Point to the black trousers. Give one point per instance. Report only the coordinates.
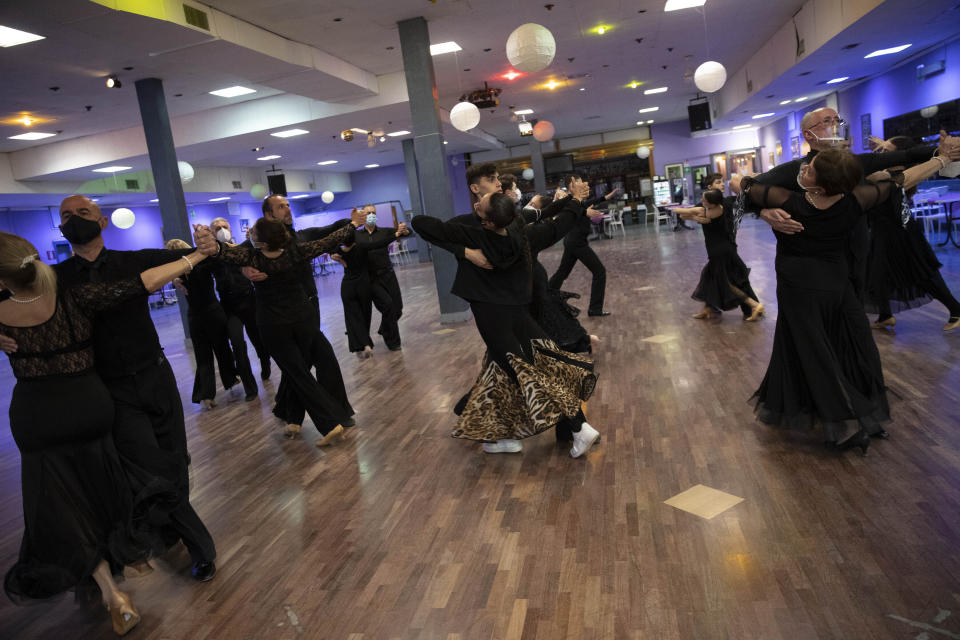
(240, 358)
(357, 297)
(247, 314)
(208, 331)
(149, 433)
(589, 258)
(296, 348)
(389, 302)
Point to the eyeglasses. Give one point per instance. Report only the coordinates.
(839, 122)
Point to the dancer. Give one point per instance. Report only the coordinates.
(288, 323)
(902, 270)
(356, 289)
(824, 366)
(527, 384)
(725, 280)
(208, 333)
(238, 302)
(80, 514)
(576, 247)
(383, 280)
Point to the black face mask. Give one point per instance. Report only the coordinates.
(79, 230)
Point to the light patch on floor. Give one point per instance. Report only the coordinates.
(442, 332)
(649, 287)
(701, 500)
(659, 339)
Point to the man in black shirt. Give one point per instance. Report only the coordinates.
(148, 428)
(383, 280)
(576, 246)
(237, 299)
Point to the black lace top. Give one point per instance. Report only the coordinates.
(282, 297)
(62, 345)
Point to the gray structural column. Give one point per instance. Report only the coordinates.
(431, 161)
(536, 160)
(416, 198)
(163, 163)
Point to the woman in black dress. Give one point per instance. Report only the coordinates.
(902, 270)
(287, 321)
(210, 336)
(824, 366)
(80, 517)
(725, 280)
(527, 384)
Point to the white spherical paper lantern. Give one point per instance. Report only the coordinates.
(527, 174)
(710, 76)
(464, 116)
(186, 171)
(929, 112)
(643, 153)
(327, 197)
(543, 131)
(122, 218)
(258, 192)
(531, 47)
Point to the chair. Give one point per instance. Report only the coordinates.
(403, 252)
(929, 213)
(659, 214)
(394, 252)
(615, 220)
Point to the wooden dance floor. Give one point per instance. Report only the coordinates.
(402, 532)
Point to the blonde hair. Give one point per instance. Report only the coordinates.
(21, 267)
(176, 243)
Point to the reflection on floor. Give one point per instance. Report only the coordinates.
(403, 532)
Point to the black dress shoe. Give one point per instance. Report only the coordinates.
(265, 371)
(203, 571)
(250, 397)
(598, 313)
(859, 440)
(349, 422)
(395, 348)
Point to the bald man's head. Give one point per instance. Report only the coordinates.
(72, 205)
(820, 128)
(81, 221)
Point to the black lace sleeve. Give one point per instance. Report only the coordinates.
(314, 248)
(238, 254)
(764, 196)
(870, 194)
(91, 297)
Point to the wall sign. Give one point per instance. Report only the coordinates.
(865, 131)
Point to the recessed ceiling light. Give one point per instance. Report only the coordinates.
(113, 82)
(884, 52)
(302, 195)
(552, 84)
(676, 5)
(399, 133)
(649, 121)
(326, 162)
(445, 142)
(221, 199)
(273, 157)
(233, 92)
(583, 89)
(112, 169)
(511, 75)
(763, 115)
(657, 90)
(743, 126)
(155, 200)
(801, 99)
(836, 80)
(289, 133)
(648, 109)
(444, 47)
(33, 135)
(12, 37)
(523, 112)
(785, 101)
(602, 29)
(371, 166)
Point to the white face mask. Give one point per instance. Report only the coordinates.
(371, 219)
(800, 175)
(223, 234)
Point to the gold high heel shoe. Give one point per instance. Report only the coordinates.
(291, 431)
(952, 323)
(757, 313)
(123, 615)
(889, 322)
(327, 440)
(704, 314)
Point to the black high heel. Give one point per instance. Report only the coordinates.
(883, 434)
(859, 439)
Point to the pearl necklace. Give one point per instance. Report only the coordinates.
(18, 301)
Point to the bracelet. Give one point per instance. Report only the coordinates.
(943, 163)
(190, 268)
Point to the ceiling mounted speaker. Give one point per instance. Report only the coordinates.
(531, 47)
(710, 76)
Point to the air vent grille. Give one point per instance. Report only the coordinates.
(196, 18)
(237, 184)
(133, 185)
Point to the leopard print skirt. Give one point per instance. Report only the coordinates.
(549, 389)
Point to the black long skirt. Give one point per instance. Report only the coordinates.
(77, 503)
(724, 281)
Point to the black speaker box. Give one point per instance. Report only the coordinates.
(699, 115)
(277, 184)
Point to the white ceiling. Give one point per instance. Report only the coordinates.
(86, 41)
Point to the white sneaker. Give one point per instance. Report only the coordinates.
(503, 446)
(583, 440)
